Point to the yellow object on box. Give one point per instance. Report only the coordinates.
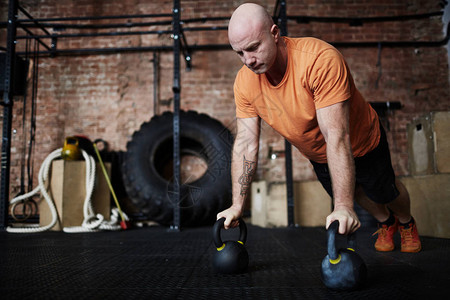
(71, 149)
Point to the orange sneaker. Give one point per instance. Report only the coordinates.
(410, 239)
(385, 241)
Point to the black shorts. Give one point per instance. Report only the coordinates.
(374, 173)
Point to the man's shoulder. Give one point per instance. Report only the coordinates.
(309, 45)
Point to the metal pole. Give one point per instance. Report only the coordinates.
(7, 113)
(175, 227)
(155, 82)
(282, 21)
(90, 18)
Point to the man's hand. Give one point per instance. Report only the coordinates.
(348, 220)
(231, 216)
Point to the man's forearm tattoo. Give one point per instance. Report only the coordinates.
(246, 178)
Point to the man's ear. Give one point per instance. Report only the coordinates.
(275, 31)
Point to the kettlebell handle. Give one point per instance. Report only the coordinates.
(218, 227)
(332, 231)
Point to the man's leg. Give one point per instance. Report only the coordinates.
(387, 198)
(387, 222)
(379, 211)
(401, 205)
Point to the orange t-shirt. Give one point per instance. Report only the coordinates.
(316, 76)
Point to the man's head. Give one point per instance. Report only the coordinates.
(254, 37)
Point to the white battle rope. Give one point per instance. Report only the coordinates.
(43, 176)
(91, 222)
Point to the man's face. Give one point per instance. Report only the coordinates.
(256, 48)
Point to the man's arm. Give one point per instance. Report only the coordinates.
(243, 167)
(334, 125)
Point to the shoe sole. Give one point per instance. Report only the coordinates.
(385, 249)
(412, 250)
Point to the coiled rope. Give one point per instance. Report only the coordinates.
(92, 222)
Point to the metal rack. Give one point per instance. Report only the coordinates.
(7, 113)
(180, 46)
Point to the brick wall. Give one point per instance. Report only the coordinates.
(110, 95)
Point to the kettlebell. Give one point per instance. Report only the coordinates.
(231, 257)
(342, 269)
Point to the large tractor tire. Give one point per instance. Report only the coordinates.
(205, 155)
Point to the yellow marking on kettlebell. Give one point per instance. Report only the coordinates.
(241, 242)
(335, 261)
(221, 247)
(351, 249)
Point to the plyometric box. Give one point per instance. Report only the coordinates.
(68, 191)
(429, 144)
(430, 203)
(312, 204)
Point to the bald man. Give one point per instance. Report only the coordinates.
(302, 87)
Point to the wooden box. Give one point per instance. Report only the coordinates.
(67, 187)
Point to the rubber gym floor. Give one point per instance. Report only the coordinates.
(152, 263)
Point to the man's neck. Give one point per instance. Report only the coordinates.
(276, 73)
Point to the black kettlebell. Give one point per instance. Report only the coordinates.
(231, 257)
(342, 269)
